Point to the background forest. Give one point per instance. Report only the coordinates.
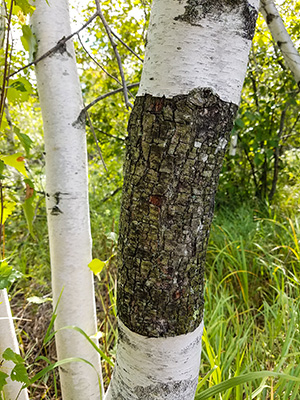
(252, 297)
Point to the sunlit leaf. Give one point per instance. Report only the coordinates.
(25, 6)
(15, 161)
(29, 41)
(96, 266)
(19, 90)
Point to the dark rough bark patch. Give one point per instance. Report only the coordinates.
(270, 17)
(175, 151)
(181, 390)
(196, 10)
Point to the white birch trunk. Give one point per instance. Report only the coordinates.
(281, 37)
(67, 200)
(233, 145)
(8, 339)
(189, 48)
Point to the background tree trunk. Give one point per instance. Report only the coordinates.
(67, 199)
(281, 37)
(194, 69)
(9, 340)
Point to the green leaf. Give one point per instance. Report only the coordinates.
(19, 374)
(25, 6)
(2, 166)
(24, 139)
(97, 266)
(239, 122)
(29, 41)
(29, 214)
(10, 355)
(28, 205)
(19, 90)
(15, 161)
(7, 275)
(3, 377)
(8, 208)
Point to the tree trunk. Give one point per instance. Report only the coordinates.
(67, 200)
(8, 339)
(281, 37)
(194, 69)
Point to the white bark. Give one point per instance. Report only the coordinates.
(281, 37)
(181, 57)
(156, 368)
(67, 199)
(233, 145)
(8, 339)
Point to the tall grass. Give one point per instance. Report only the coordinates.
(252, 304)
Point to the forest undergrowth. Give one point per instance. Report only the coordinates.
(252, 297)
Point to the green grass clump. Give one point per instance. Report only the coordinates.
(252, 305)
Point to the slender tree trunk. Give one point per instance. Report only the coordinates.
(281, 37)
(194, 69)
(67, 200)
(8, 339)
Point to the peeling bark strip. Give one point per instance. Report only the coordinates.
(174, 155)
(151, 369)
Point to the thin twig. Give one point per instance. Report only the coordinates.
(99, 65)
(111, 195)
(109, 134)
(6, 66)
(103, 96)
(127, 47)
(114, 46)
(60, 43)
(96, 140)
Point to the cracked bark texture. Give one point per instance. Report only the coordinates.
(175, 151)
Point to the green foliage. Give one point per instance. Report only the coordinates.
(3, 382)
(7, 275)
(19, 372)
(267, 122)
(29, 42)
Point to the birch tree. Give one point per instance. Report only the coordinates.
(195, 64)
(281, 37)
(67, 200)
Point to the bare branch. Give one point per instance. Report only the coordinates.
(111, 194)
(6, 66)
(127, 47)
(60, 43)
(99, 65)
(96, 140)
(111, 39)
(103, 96)
(109, 134)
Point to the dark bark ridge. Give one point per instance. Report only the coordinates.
(196, 10)
(175, 150)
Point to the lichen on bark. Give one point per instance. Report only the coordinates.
(197, 10)
(175, 150)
